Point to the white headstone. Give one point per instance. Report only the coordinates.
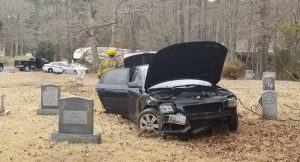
(268, 83)
(80, 74)
(249, 74)
(269, 74)
(269, 104)
(50, 93)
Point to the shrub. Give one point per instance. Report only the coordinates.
(233, 70)
(82, 61)
(46, 50)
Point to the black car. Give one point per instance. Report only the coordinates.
(1, 67)
(176, 94)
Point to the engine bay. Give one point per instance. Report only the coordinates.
(191, 92)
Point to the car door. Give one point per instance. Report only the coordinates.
(113, 91)
(135, 95)
(64, 67)
(56, 68)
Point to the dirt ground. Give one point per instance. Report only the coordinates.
(25, 136)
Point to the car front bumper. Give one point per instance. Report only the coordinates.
(195, 123)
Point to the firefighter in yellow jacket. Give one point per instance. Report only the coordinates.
(110, 63)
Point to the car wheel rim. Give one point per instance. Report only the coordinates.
(149, 122)
(27, 68)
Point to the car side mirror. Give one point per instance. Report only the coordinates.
(134, 85)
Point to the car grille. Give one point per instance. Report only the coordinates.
(209, 107)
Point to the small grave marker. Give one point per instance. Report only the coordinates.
(76, 121)
(269, 103)
(269, 74)
(269, 96)
(3, 111)
(249, 74)
(50, 93)
(268, 83)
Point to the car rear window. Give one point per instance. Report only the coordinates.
(117, 77)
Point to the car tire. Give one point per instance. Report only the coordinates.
(75, 71)
(148, 120)
(1, 68)
(26, 68)
(233, 121)
(63, 72)
(21, 69)
(50, 70)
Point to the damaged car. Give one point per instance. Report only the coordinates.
(175, 94)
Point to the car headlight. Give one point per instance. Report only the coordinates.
(166, 108)
(232, 102)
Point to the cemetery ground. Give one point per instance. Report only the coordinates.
(25, 136)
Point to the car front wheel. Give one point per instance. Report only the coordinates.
(233, 121)
(148, 120)
(27, 68)
(1, 68)
(50, 70)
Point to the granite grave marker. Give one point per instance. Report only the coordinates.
(76, 121)
(249, 74)
(50, 93)
(268, 83)
(2, 109)
(269, 103)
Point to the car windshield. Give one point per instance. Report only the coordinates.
(144, 70)
(181, 83)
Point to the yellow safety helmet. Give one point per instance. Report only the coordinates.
(111, 51)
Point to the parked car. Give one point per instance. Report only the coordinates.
(1, 67)
(77, 68)
(62, 67)
(176, 94)
(30, 64)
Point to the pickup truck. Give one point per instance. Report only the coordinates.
(32, 63)
(1, 66)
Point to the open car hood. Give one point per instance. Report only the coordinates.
(191, 60)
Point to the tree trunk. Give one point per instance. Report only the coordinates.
(180, 20)
(199, 19)
(17, 48)
(249, 50)
(264, 39)
(189, 33)
(93, 34)
(204, 18)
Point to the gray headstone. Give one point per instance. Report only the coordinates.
(249, 74)
(269, 104)
(268, 83)
(50, 93)
(269, 74)
(2, 108)
(76, 121)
